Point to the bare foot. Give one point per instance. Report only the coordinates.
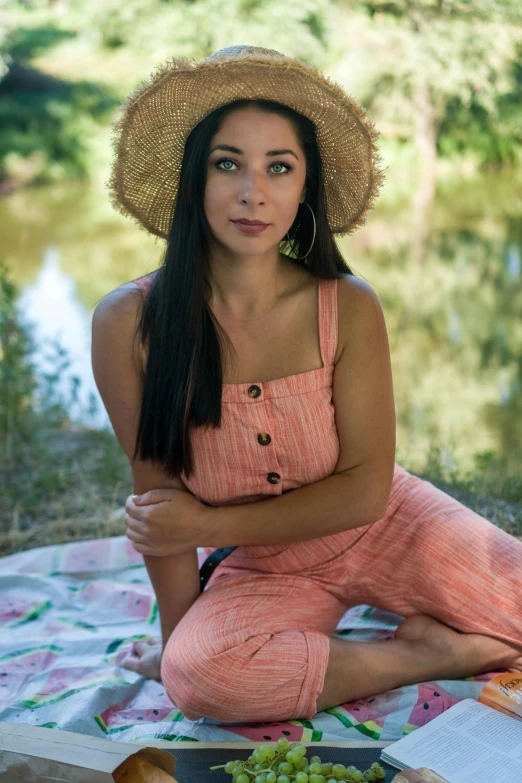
(466, 654)
(145, 658)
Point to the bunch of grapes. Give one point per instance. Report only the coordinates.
(287, 763)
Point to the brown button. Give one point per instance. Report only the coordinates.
(264, 438)
(274, 478)
(254, 391)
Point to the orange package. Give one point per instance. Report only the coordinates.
(504, 693)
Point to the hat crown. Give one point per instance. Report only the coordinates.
(240, 51)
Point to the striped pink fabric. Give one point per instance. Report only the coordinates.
(255, 645)
(232, 466)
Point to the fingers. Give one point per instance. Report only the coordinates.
(140, 544)
(421, 775)
(137, 526)
(130, 663)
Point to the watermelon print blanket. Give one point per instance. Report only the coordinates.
(70, 612)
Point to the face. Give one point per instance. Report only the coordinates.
(252, 182)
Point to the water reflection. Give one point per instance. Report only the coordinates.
(513, 261)
(453, 320)
(51, 308)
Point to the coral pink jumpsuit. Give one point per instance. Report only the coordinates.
(254, 646)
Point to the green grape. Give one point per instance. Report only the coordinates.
(301, 777)
(370, 776)
(271, 777)
(326, 768)
(258, 767)
(229, 766)
(295, 745)
(315, 760)
(260, 779)
(292, 756)
(242, 778)
(339, 771)
(283, 743)
(301, 751)
(286, 768)
(283, 779)
(315, 779)
(316, 768)
(301, 764)
(238, 769)
(270, 754)
(357, 776)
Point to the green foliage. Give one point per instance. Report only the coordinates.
(444, 75)
(50, 471)
(17, 376)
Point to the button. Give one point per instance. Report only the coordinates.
(274, 478)
(254, 391)
(264, 438)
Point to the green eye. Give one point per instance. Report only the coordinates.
(276, 163)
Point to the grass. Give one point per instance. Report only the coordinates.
(61, 482)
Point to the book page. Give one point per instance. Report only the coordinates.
(469, 743)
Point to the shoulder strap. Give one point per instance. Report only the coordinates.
(328, 324)
(144, 283)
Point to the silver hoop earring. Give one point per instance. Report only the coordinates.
(313, 240)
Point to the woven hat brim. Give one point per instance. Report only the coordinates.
(158, 116)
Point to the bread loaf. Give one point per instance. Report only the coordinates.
(137, 770)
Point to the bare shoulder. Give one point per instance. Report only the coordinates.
(360, 313)
(118, 312)
(125, 297)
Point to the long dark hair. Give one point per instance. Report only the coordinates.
(184, 376)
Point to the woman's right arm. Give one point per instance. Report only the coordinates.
(118, 367)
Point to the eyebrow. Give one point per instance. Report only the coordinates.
(237, 151)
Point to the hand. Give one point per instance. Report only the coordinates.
(168, 521)
(421, 775)
(145, 658)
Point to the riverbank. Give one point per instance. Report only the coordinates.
(74, 483)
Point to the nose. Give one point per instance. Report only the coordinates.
(252, 188)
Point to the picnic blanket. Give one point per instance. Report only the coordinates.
(70, 612)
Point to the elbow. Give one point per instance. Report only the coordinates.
(377, 515)
(377, 508)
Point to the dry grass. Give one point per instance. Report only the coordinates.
(74, 484)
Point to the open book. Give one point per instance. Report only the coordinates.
(471, 742)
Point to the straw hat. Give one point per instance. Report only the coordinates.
(148, 139)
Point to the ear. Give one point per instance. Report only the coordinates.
(303, 195)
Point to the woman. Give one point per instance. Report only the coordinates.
(276, 403)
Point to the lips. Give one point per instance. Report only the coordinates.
(251, 227)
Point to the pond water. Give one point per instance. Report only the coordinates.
(453, 307)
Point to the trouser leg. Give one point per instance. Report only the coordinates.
(253, 648)
(433, 555)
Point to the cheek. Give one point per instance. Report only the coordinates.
(216, 201)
